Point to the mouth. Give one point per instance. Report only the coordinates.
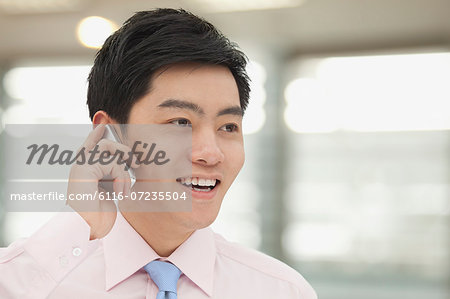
(199, 184)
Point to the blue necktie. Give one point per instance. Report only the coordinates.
(165, 275)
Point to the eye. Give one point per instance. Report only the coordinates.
(183, 122)
(229, 128)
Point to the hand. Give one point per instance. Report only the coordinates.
(84, 181)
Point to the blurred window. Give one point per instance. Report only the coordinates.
(41, 94)
(47, 94)
(368, 191)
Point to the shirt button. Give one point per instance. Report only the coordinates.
(77, 251)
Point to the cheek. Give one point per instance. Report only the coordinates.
(236, 157)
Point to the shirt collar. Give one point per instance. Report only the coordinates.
(196, 258)
(126, 252)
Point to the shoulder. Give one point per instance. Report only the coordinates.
(263, 265)
(12, 251)
(51, 239)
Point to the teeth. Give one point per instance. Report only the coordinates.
(198, 181)
(206, 182)
(201, 190)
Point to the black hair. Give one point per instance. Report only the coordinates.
(149, 40)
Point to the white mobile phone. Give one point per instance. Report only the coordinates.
(111, 134)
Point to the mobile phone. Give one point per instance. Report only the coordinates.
(111, 134)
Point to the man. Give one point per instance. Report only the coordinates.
(162, 67)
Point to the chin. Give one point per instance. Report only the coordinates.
(203, 220)
(203, 214)
(200, 217)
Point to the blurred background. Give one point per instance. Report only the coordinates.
(347, 175)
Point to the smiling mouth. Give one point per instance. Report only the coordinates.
(198, 184)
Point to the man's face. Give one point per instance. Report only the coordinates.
(205, 97)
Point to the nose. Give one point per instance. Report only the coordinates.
(206, 150)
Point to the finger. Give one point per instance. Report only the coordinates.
(120, 176)
(118, 185)
(94, 137)
(134, 161)
(127, 185)
(108, 165)
(119, 150)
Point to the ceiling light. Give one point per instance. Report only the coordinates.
(93, 31)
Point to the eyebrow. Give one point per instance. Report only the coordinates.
(181, 104)
(234, 110)
(174, 103)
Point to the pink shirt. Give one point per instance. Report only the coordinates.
(59, 261)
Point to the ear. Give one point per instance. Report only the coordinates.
(101, 117)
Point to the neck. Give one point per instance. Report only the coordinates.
(156, 229)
